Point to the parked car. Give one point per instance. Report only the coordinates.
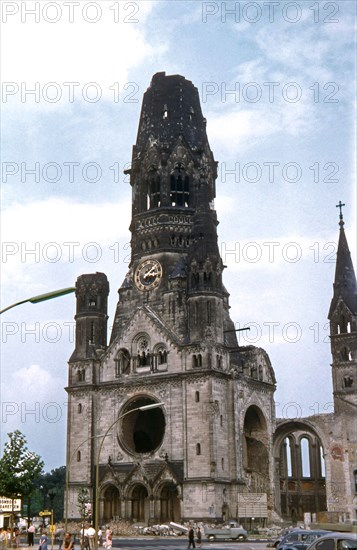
(335, 541)
(275, 542)
(226, 533)
(305, 539)
(298, 538)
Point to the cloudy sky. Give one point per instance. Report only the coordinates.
(276, 81)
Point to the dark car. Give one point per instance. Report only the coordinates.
(274, 543)
(335, 541)
(304, 542)
(300, 539)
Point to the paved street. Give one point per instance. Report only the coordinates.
(163, 543)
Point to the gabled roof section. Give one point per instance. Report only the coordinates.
(345, 286)
(150, 473)
(151, 317)
(170, 469)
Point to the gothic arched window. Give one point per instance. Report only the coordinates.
(286, 461)
(81, 375)
(153, 189)
(162, 357)
(144, 356)
(207, 278)
(122, 362)
(305, 457)
(195, 279)
(179, 186)
(93, 302)
(345, 354)
(347, 382)
(209, 313)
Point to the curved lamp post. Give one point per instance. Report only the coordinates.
(67, 474)
(42, 297)
(96, 518)
(51, 494)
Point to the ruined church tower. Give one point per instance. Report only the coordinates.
(173, 342)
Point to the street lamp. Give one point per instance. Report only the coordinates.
(142, 408)
(51, 494)
(42, 297)
(67, 474)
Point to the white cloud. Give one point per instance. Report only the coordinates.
(241, 129)
(276, 252)
(42, 236)
(31, 388)
(56, 219)
(103, 52)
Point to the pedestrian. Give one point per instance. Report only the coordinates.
(100, 537)
(199, 537)
(67, 542)
(59, 535)
(84, 538)
(191, 538)
(3, 538)
(16, 538)
(31, 534)
(91, 537)
(43, 541)
(108, 538)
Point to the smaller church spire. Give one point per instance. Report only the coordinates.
(344, 286)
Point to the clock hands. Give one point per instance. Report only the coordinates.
(151, 273)
(148, 274)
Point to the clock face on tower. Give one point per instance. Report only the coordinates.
(148, 274)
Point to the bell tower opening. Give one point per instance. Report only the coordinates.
(179, 187)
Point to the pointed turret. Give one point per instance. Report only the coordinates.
(345, 279)
(92, 292)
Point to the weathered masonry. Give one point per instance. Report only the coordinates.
(214, 449)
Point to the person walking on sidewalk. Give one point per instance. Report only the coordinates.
(43, 541)
(191, 538)
(199, 538)
(31, 534)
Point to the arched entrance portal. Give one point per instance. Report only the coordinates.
(140, 510)
(169, 503)
(255, 449)
(111, 509)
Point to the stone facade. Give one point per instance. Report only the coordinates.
(214, 439)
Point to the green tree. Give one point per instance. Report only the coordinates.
(19, 468)
(50, 483)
